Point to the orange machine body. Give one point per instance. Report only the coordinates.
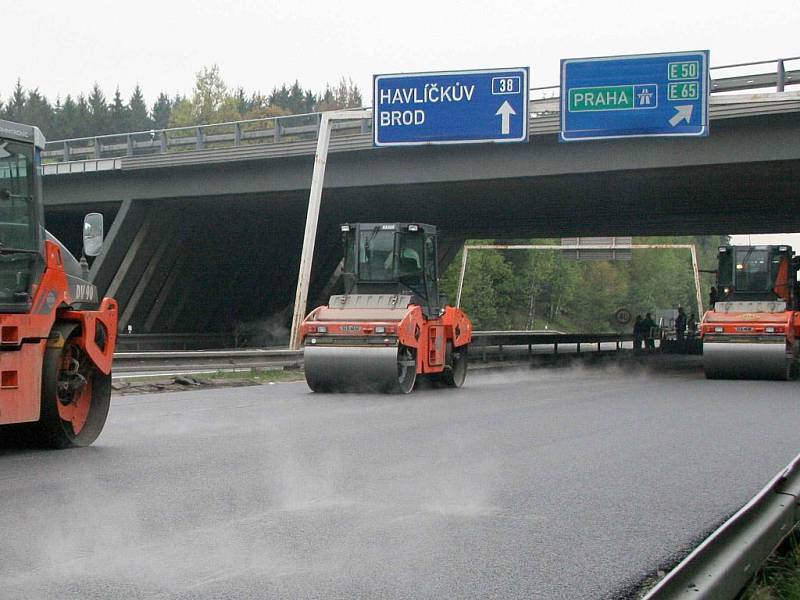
(404, 325)
(24, 338)
(748, 321)
(755, 325)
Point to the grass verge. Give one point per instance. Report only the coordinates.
(779, 577)
(260, 375)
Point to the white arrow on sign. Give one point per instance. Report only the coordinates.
(684, 112)
(505, 111)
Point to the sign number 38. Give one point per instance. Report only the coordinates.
(506, 85)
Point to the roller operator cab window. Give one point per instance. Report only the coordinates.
(753, 270)
(18, 222)
(387, 255)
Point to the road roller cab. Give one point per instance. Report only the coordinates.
(390, 324)
(57, 337)
(751, 331)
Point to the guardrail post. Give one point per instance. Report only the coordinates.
(199, 139)
(129, 140)
(781, 82)
(555, 347)
(162, 136)
(364, 125)
(578, 347)
(66, 151)
(97, 149)
(237, 134)
(277, 129)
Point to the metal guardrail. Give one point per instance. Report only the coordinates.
(143, 342)
(293, 128)
(132, 362)
(721, 566)
(501, 339)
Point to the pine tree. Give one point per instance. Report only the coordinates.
(83, 121)
(280, 97)
(16, 105)
(138, 119)
(118, 115)
(100, 118)
(37, 111)
(66, 120)
(296, 99)
(162, 111)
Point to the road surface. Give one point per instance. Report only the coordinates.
(554, 483)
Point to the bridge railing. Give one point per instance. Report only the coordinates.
(277, 129)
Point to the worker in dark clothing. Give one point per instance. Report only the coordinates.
(680, 329)
(713, 297)
(691, 324)
(648, 327)
(638, 335)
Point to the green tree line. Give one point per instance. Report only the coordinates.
(523, 289)
(211, 101)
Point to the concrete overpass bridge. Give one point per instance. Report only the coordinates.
(207, 225)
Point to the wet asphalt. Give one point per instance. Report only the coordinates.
(550, 483)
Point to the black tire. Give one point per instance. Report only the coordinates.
(52, 431)
(406, 371)
(455, 373)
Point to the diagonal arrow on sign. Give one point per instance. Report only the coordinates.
(505, 111)
(684, 112)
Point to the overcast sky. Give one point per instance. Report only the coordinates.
(65, 47)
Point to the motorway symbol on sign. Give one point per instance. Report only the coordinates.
(634, 96)
(454, 107)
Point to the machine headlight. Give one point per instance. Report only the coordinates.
(769, 329)
(322, 329)
(719, 329)
(380, 329)
(413, 227)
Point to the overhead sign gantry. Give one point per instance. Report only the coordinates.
(453, 107)
(634, 96)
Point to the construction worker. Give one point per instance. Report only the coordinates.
(692, 325)
(680, 329)
(648, 327)
(638, 335)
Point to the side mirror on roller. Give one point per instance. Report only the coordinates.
(92, 234)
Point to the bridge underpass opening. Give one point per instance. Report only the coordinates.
(540, 287)
(200, 264)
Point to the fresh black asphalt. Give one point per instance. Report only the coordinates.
(550, 483)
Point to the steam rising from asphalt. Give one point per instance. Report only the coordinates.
(271, 331)
(174, 502)
(131, 533)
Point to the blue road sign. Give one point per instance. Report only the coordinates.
(634, 96)
(454, 107)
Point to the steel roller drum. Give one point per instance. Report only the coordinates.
(352, 368)
(730, 360)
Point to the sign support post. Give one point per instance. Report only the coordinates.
(312, 218)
